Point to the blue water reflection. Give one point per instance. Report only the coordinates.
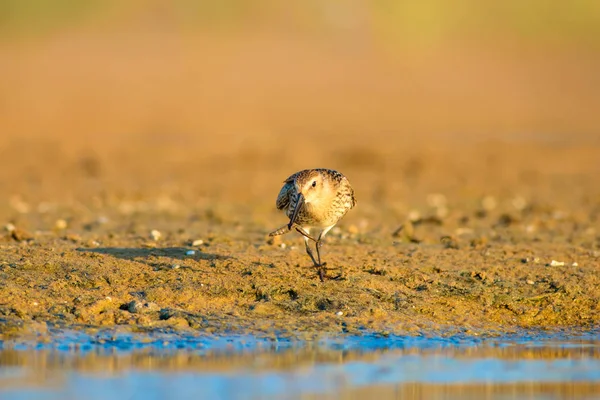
(73, 365)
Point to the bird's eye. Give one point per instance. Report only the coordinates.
(314, 184)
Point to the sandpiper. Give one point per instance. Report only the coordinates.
(314, 199)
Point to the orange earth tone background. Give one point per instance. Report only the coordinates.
(132, 134)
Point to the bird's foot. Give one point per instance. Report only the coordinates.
(322, 272)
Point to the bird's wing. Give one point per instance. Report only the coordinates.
(283, 199)
(353, 197)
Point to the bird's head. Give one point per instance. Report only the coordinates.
(311, 186)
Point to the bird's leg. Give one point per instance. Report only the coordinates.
(287, 228)
(322, 265)
(318, 264)
(318, 245)
(309, 252)
(304, 233)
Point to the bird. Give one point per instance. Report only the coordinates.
(314, 200)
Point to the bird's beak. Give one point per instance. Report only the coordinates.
(299, 204)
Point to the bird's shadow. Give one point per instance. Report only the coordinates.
(135, 253)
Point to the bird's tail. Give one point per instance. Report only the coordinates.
(280, 231)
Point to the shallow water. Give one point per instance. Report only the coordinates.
(73, 365)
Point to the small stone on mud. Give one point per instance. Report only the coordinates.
(137, 307)
(73, 237)
(519, 203)
(436, 200)
(274, 240)
(197, 242)
(555, 263)
(506, 220)
(530, 282)
(488, 203)
(479, 275)
(574, 265)
(441, 212)
(155, 234)
(414, 215)
(406, 232)
(19, 205)
(60, 224)
(283, 245)
(190, 252)
(20, 235)
(463, 231)
(449, 242)
(339, 313)
(530, 228)
(134, 306)
(176, 266)
(9, 227)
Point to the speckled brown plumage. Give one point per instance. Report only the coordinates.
(314, 200)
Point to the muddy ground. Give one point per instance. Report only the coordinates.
(470, 236)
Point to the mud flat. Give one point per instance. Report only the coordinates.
(480, 237)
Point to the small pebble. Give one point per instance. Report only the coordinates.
(60, 224)
(463, 231)
(197, 242)
(436, 200)
(190, 252)
(283, 245)
(441, 212)
(489, 203)
(9, 227)
(530, 282)
(19, 205)
(519, 203)
(339, 313)
(155, 234)
(555, 263)
(73, 237)
(134, 306)
(176, 266)
(414, 215)
(575, 264)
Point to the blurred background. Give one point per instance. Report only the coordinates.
(163, 93)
